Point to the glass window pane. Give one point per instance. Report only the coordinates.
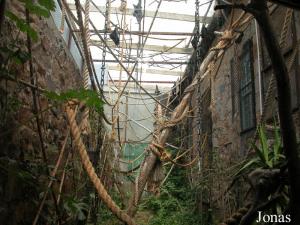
(246, 91)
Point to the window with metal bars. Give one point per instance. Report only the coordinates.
(247, 89)
(234, 87)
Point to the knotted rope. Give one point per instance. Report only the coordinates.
(103, 194)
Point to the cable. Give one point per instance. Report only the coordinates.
(129, 74)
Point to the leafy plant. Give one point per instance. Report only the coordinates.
(40, 8)
(176, 203)
(103, 215)
(22, 25)
(268, 154)
(76, 208)
(89, 97)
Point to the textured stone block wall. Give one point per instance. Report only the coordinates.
(54, 69)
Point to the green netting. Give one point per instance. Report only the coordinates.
(131, 152)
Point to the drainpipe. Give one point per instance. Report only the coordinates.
(259, 69)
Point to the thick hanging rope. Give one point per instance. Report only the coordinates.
(103, 194)
(63, 16)
(148, 165)
(85, 127)
(174, 122)
(86, 50)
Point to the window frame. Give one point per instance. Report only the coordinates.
(247, 49)
(234, 83)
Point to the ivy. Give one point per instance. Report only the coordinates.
(22, 25)
(37, 10)
(14, 52)
(89, 97)
(41, 8)
(48, 4)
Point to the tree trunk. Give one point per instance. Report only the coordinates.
(150, 160)
(149, 163)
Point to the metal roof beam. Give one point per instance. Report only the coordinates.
(145, 33)
(155, 48)
(148, 70)
(161, 15)
(147, 62)
(145, 81)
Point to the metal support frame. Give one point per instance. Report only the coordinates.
(160, 15)
(155, 48)
(150, 70)
(148, 62)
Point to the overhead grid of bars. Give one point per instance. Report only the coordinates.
(162, 51)
(122, 54)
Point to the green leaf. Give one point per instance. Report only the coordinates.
(22, 25)
(48, 4)
(259, 153)
(36, 9)
(6, 50)
(76, 208)
(89, 97)
(21, 57)
(277, 144)
(52, 95)
(81, 216)
(248, 165)
(264, 146)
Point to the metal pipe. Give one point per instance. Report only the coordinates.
(146, 81)
(149, 62)
(145, 33)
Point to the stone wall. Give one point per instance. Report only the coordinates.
(54, 69)
(229, 144)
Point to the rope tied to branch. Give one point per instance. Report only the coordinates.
(102, 192)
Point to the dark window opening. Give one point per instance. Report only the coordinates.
(247, 92)
(234, 87)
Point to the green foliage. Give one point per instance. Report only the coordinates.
(176, 203)
(40, 8)
(21, 175)
(89, 97)
(15, 53)
(104, 216)
(76, 208)
(22, 25)
(268, 155)
(48, 4)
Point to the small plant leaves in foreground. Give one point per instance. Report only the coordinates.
(22, 25)
(268, 155)
(89, 97)
(41, 8)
